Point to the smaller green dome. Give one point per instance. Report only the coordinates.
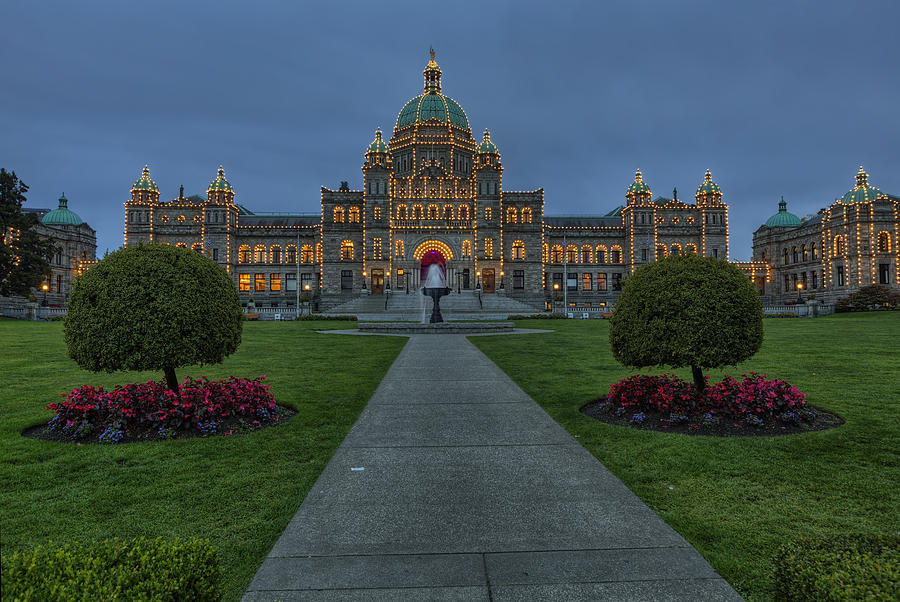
(378, 145)
(61, 216)
(783, 219)
(486, 146)
(708, 186)
(862, 193)
(220, 183)
(144, 182)
(638, 186)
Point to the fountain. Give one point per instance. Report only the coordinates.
(434, 275)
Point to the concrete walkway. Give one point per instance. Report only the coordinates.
(455, 485)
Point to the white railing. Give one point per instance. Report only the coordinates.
(799, 310)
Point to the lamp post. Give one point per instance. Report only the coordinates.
(306, 289)
(45, 287)
(555, 291)
(799, 296)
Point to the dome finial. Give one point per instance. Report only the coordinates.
(431, 52)
(782, 206)
(707, 177)
(862, 178)
(637, 176)
(432, 74)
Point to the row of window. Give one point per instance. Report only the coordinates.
(807, 253)
(605, 282)
(432, 211)
(260, 282)
(586, 254)
(274, 255)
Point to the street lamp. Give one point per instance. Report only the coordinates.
(45, 287)
(799, 288)
(306, 292)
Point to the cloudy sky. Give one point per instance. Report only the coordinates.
(775, 98)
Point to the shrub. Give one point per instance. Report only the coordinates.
(152, 406)
(686, 310)
(853, 567)
(874, 296)
(138, 569)
(153, 307)
(663, 394)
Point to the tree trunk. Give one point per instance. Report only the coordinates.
(699, 381)
(172, 381)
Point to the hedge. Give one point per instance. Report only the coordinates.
(137, 569)
(854, 567)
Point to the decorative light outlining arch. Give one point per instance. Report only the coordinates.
(432, 245)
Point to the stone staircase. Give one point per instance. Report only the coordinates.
(416, 307)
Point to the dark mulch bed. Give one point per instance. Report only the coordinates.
(725, 428)
(229, 427)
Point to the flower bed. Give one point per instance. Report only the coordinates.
(150, 411)
(729, 406)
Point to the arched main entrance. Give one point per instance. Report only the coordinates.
(433, 245)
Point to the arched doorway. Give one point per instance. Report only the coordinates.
(429, 252)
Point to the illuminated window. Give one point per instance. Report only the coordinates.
(244, 282)
(675, 249)
(488, 248)
(466, 248)
(587, 283)
(571, 254)
(259, 254)
(402, 212)
(399, 251)
(417, 211)
(511, 216)
(488, 214)
(804, 252)
(518, 250)
(197, 247)
(180, 218)
(615, 257)
(545, 253)
(448, 211)
(338, 215)
(812, 249)
(795, 255)
(259, 282)
(319, 252)
(180, 245)
(785, 259)
(884, 242)
(691, 220)
(601, 254)
(675, 219)
(290, 254)
(839, 245)
(691, 248)
(463, 212)
(347, 250)
(601, 282)
(353, 215)
(432, 211)
(274, 282)
(306, 254)
(660, 219)
(164, 217)
(660, 252)
(376, 212)
(587, 254)
(197, 218)
(376, 248)
(526, 215)
(275, 254)
(556, 255)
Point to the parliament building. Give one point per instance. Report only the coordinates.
(433, 187)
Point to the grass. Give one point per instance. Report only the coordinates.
(239, 492)
(738, 499)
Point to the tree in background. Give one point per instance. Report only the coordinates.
(24, 255)
(874, 296)
(686, 310)
(153, 307)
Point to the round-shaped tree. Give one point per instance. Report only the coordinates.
(153, 307)
(686, 310)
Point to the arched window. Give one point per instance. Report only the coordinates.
(692, 248)
(197, 247)
(402, 212)
(290, 254)
(838, 245)
(448, 211)
(417, 211)
(432, 211)
(815, 253)
(587, 254)
(884, 242)
(556, 255)
(318, 252)
(399, 249)
(601, 254)
(571, 254)
(275, 254)
(463, 212)
(488, 248)
(347, 250)
(180, 245)
(466, 248)
(660, 251)
(338, 216)
(804, 253)
(306, 254)
(518, 250)
(259, 254)
(244, 254)
(784, 257)
(794, 255)
(526, 215)
(353, 215)
(675, 249)
(615, 254)
(511, 215)
(545, 253)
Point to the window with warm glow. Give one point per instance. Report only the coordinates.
(785, 259)
(488, 213)
(463, 212)
(812, 249)
(488, 248)
(838, 245)
(571, 254)
(259, 282)
(353, 215)
(290, 254)
(467, 248)
(448, 211)
(338, 215)
(376, 213)
(675, 250)
(587, 283)
(511, 215)
(306, 254)
(417, 211)
(399, 251)
(556, 255)
(587, 254)
(376, 248)
(432, 211)
(275, 282)
(518, 250)
(402, 212)
(616, 255)
(180, 218)
(275, 254)
(804, 252)
(347, 251)
(660, 252)
(884, 242)
(601, 282)
(197, 247)
(244, 282)
(526, 215)
(319, 252)
(545, 253)
(259, 254)
(601, 254)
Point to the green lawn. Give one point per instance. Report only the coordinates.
(240, 492)
(737, 499)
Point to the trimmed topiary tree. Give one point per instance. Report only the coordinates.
(153, 307)
(686, 310)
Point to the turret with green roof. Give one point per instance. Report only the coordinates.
(487, 147)
(220, 189)
(432, 106)
(862, 193)
(61, 216)
(708, 192)
(639, 191)
(144, 189)
(783, 219)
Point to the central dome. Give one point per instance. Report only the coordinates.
(432, 106)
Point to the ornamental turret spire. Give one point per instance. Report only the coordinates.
(432, 75)
(862, 178)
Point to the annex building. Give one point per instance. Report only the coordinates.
(431, 187)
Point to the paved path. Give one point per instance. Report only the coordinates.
(456, 485)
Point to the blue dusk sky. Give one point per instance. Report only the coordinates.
(775, 98)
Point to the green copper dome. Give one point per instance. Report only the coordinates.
(708, 186)
(144, 182)
(638, 186)
(487, 146)
(220, 183)
(783, 219)
(378, 145)
(61, 216)
(432, 106)
(862, 193)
